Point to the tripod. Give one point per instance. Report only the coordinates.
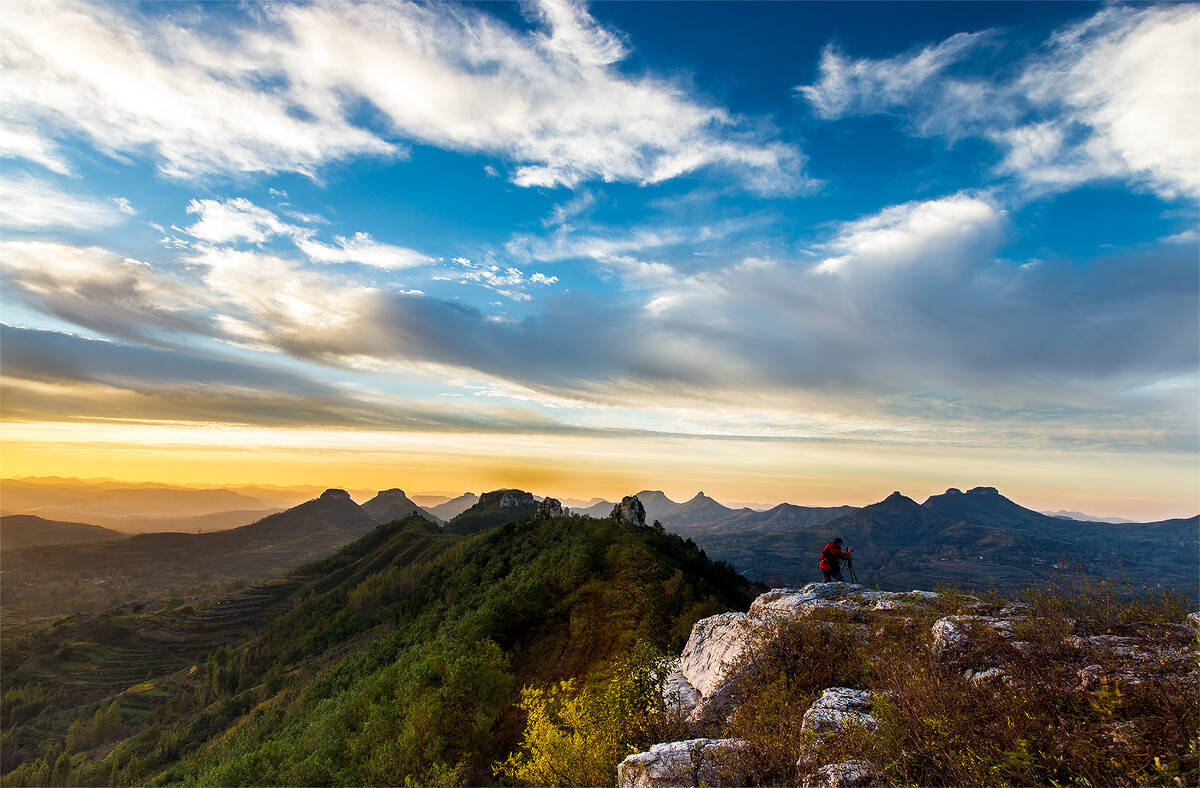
(850, 569)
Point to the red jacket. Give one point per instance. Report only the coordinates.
(830, 557)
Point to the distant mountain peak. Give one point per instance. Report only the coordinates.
(896, 499)
(334, 493)
(954, 491)
(394, 492)
(981, 491)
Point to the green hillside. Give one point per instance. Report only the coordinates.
(401, 656)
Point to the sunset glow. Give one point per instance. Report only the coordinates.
(768, 251)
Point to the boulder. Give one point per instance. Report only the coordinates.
(1194, 620)
(549, 509)
(991, 676)
(629, 511)
(952, 635)
(839, 708)
(695, 762)
(849, 774)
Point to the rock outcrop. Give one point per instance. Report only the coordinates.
(629, 511)
(953, 636)
(507, 499)
(549, 509)
(849, 774)
(695, 762)
(839, 708)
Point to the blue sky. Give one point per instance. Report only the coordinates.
(959, 238)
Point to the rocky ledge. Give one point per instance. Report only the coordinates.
(982, 641)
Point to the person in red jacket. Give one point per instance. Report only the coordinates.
(831, 560)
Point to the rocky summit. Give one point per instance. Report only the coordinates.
(629, 511)
(548, 509)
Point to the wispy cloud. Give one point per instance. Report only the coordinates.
(361, 248)
(100, 290)
(30, 204)
(1114, 96)
(210, 95)
(238, 220)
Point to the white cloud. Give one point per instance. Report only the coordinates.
(124, 206)
(362, 249)
(196, 102)
(278, 93)
(223, 221)
(508, 281)
(271, 300)
(1131, 78)
(940, 232)
(239, 220)
(30, 204)
(864, 86)
(1184, 237)
(1115, 96)
(19, 141)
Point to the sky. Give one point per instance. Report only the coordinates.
(807, 252)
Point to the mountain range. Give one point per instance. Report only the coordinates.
(976, 539)
(703, 515)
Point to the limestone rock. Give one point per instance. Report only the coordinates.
(629, 511)
(334, 493)
(990, 676)
(713, 762)
(549, 509)
(952, 635)
(848, 597)
(714, 645)
(839, 708)
(1194, 620)
(849, 774)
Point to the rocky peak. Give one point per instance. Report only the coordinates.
(983, 491)
(897, 500)
(507, 498)
(549, 509)
(953, 491)
(334, 494)
(629, 511)
(394, 492)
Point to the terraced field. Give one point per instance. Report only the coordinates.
(87, 661)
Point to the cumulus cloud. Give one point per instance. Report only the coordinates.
(283, 91)
(1114, 96)
(943, 232)
(30, 204)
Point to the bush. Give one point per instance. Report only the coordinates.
(577, 737)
